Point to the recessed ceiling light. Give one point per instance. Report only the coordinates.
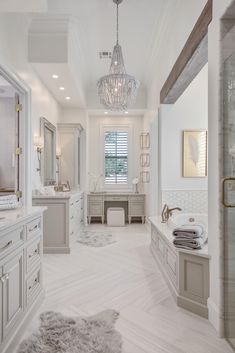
(68, 98)
(55, 76)
(105, 113)
(62, 88)
(126, 112)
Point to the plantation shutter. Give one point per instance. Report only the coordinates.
(116, 157)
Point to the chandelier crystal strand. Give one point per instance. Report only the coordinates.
(117, 90)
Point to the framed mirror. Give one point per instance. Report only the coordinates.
(48, 157)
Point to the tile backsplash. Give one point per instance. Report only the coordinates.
(191, 201)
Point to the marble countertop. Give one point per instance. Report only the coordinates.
(11, 217)
(58, 195)
(166, 231)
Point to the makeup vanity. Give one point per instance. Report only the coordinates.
(133, 204)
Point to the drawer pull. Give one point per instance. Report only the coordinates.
(77, 201)
(6, 246)
(34, 283)
(4, 278)
(33, 228)
(72, 217)
(71, 204)
(34, 253)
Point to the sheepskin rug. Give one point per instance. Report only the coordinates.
(60, 334)
(95, 239)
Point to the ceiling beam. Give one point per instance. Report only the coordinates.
(191, 59)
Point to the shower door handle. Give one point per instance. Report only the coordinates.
(224, 181)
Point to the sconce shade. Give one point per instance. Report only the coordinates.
(38, 142)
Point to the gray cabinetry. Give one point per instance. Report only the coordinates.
(186, 273)
(63, 219)
(20, 260)
(12, 280)
(133, 203)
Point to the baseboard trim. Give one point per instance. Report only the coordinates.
(216, 317)
(196, 308)
(15, 339)
(58, 250)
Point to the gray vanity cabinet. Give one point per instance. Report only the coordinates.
(136, 207)
(20, 273)
(62, 220)
(95, 205)
(12, 291)
(134, 203)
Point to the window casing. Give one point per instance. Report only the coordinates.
(116, 155)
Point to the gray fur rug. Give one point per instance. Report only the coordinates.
(95, 239)
(60, 334)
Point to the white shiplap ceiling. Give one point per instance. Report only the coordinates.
(140, 23)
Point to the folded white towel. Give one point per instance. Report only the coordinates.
(192, 231)
(190, 244)
(8, 199)
(10, 206)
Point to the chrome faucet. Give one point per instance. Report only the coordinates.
(167, 212)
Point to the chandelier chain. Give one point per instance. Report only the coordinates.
(117, 90)
(117, 23)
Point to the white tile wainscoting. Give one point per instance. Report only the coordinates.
(190, 201)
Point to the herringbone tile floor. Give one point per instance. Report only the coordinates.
(124, 276)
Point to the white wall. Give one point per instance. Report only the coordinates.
(190, 112)
(96, 147)
(14, 54)
(174, 33)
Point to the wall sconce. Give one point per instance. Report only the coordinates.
(58, 153)
(38, 146)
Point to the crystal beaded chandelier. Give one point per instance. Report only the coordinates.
(117, 90)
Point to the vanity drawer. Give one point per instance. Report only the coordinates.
(11, 240)
(95, 198)
(33, 228)
(139, 198)
(33, 285)
(116, 198)
(33, 254)
(95, 208)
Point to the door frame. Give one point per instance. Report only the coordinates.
(25, 130)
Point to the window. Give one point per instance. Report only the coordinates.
(116, 157)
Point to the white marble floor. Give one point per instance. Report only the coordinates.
(124, 276)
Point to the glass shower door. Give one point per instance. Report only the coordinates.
(228, 197)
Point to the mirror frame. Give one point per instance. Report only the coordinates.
(44, 123)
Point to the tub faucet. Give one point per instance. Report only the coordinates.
(167, 212)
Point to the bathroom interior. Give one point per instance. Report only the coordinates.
(119, 216)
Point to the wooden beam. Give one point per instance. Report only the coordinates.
(197, 35)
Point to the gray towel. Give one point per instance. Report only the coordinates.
(190, 244)
(191, 231)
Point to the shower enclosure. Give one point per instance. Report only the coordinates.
(228, 189)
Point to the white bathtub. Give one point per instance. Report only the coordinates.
(188, 218)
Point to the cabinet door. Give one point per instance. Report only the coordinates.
(136, 209)
(95, 208)
(1, 307)
(12, 280)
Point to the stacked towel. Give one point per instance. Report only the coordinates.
(190, 236)
(9, 202)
